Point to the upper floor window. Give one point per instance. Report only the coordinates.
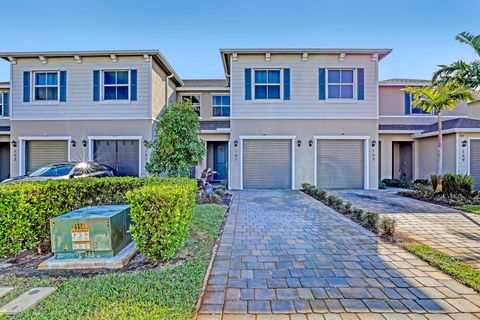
(46, 86)
(194, 100)
(221, 106)
(115, 85)
(4, 104)
(267, 84)
(413, 109)
(340, 83)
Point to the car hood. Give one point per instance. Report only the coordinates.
(33, 179)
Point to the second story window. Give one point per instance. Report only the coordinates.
(221, 106)
(340, 83)
(115, 85)
(413, 109)
(46, 86)
(4, 104)
(267, 84)
(195, 101)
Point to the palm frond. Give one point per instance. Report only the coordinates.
(470, 39)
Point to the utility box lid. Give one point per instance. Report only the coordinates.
(93, 212)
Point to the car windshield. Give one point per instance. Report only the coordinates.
(51, 171)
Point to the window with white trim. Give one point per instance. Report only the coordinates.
(340, 83)
(267, 84)
(116, 85)
(417, 110)
(3, 105)
(221, 106)
(194, 100)
(46, 85)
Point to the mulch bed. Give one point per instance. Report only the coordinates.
(452, 201)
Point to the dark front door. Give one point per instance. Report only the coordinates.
(220, 160)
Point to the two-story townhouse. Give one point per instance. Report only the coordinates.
(408, 135)
(303, 115)
(93, 105)
(4, 130)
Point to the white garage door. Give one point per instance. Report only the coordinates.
(340, 164)
(267, 164)
(475, 161)
(42, 152)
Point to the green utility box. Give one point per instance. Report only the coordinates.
(91, 232)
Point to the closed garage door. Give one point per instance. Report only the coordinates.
(267, 164)
(122, 155)
(340, 164)
(42, 152)
(475, 161)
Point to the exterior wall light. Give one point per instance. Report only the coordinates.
(145, 142)
(73, 143)
(310, 142)
(235, 143)
(299, 142)
(84, 143)
(14, 143)
(464, 143)
(374, 143)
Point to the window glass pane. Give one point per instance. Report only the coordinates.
(274, 76)
(217, 100)
(260, 76)
(347, 92)
(333, 76)
(52, 79)
(260, 92)
(226, 100)
(333, 91)
(273, 92)
(52, 93)
(110, 93)
(41, 93)
(61, 171)
(217, 111)
(122, 93)
(226, 111)
(347, 76)
(40, 79)
(109, 77)
(122, 77)
(195, 99)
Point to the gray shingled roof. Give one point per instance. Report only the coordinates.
(205, 83)
(406, 127)
(457, 123)
(406, 81)
(214, 125)
(4, 128)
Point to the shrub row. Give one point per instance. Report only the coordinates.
(455, 184)
(27, 207)
(384, 226)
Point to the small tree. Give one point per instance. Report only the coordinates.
(176, 146)
(439, 98)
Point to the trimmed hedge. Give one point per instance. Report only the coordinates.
(161, 216)
(27, 207)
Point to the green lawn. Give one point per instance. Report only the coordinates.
(167, 294)
(472, 208)
(454, 267)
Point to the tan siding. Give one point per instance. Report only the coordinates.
(80, 104)
(158, 90)
(428, 155)
(304, 88)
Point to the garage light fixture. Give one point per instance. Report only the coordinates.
(310, 142)
(299, 142)
(374, 143)
(235, 143)
(464, 143)
(145, 143)
(84, 143)
(14, 143)
(73, 143)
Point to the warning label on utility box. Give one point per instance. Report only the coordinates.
(80, 237)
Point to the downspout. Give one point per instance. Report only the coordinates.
(166, 89)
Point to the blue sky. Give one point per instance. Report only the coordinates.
(189, 33)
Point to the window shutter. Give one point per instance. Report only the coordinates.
(26, 86)
(360, 84)
(248, 84)
(321, 84)
(133, 85)
(63, 86)
(5, 104)
(286, 84)
(96, 85)
(407, 103)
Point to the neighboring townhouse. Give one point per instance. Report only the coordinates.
(98, 105)
(4, 130)
(408, 136)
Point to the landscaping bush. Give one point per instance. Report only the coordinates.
(386, 226)
(161, 216)
(371, 219)
(454, 184)
(424, 182)
(27, 207)
(397, 183)
(381, 185)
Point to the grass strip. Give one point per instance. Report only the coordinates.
(472, 208)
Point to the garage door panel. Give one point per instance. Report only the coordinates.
(340, 164)
(267, 164)
(475, 161)
(122, 155)
(42, 152)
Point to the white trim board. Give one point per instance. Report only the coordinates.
(293, 138)
(366, 166)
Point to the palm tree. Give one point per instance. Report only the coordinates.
(439, 98)
(461, 72)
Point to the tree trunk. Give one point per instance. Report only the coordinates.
(439, 188)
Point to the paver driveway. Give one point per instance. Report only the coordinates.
(451, 231)
(283, 253)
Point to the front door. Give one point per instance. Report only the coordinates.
(220, 160)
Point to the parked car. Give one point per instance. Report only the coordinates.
(65, 170)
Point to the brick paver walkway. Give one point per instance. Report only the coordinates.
(284, 255)
(453, 232)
